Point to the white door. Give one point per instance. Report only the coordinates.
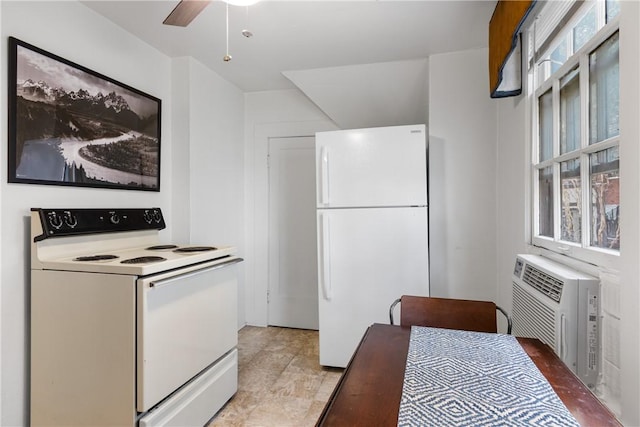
(372, 167)
(293, 279)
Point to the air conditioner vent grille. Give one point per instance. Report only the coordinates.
(531, 318)
(547, 285)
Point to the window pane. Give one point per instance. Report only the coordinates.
(570, 112)
(545, 112)
(584, 30)
(571, 199)
(559, 55)
(605, 199)
(613, 8)
(545, 193)
(604, 94)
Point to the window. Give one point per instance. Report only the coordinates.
(575, 101)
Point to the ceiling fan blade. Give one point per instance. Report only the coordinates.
(185, 12)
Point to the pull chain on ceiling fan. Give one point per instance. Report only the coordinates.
(227, 57)
(187, 10)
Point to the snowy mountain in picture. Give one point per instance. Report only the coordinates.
(42, 92)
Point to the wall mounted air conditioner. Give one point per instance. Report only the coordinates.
(559, 306)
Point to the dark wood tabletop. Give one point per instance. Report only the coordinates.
(369, 392)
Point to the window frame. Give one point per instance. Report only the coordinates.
(581, 251)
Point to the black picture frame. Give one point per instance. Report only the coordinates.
(72, 126)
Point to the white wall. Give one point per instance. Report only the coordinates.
(511, 177)
(630, 202)
(181, 151)
(74, 32)
(208, 196)
(368, 95)
(268, 114)
(462, 177)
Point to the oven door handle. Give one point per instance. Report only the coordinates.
(168, 281)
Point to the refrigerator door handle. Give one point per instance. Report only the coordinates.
(326, 258)
(324, 175)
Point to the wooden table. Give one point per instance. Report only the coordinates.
(370, 389)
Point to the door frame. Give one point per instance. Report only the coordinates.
(257, 211)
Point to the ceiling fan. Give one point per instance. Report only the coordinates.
(185, 12)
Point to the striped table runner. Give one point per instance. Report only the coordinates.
(461, 378)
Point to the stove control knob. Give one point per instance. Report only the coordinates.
(55, 220)
(114, 218)
(157, 216)
(147, 216)
(70, 219)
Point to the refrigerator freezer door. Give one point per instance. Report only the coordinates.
(372, 167)
(367, 259)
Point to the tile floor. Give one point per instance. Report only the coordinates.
(280, 382)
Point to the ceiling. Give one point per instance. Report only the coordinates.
(304, 35)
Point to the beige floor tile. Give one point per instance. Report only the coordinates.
(282, 411)
(279, 344)
(246, 354)
(236, 411)
(272, 360)
(280, 381)
(308, 364)
(314, 413)
(256, 379)
(327, 386)
(297, 385)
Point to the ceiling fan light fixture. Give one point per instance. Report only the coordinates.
(242, 2)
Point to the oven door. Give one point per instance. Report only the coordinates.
(186, 320)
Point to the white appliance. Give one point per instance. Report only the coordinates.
(372, 230)
(126, 331)
(559, 306)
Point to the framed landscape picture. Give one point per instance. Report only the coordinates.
(69, 125)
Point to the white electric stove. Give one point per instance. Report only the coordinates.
(125, 329)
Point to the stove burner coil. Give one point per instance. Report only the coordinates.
(143, 260)
(95, 258)
(161, 247)
(195, 249)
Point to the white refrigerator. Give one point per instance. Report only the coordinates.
(372, 230)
